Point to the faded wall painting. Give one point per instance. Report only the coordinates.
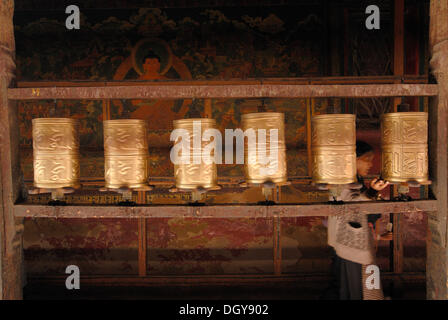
(180, 45)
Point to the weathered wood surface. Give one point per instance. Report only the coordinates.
(437, 255)
(406, 79)
(207, 280)
(142, 240)
(11, 229)
(223, 211)
(179, 91)
(399, 53)
(277, 243)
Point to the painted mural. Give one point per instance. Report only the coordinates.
(175, 44)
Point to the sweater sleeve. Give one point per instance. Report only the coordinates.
(371, 193)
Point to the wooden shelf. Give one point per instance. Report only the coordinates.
(406, 79)
(217, 89)
(222, 211)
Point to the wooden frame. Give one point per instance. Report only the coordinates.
(176, 90)
(221, 211)
(11, 213)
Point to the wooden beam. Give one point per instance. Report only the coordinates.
(437, 255)
(399, 38)
(397, 243)
(407, 79)
(222, 211)
(164, 91)
(208, 280)
(142, 247)
(277, 227)
(309, 113)
(11, 255)
(208, 112)
(142, 238)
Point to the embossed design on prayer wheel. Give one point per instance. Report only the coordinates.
(125, 153)
(263, 161)
(333, 144)
(193, 175)
(55, 153)
(404, 140)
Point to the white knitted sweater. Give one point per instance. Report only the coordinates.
(349, 234)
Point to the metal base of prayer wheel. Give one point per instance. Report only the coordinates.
(135, 187)
(197, 194)
(279, 181)
(403, 189)
(246, 184)
(57, 194)
(267, 188)
(126, 193)
(403, 193)
(326, 186)
(411, 183)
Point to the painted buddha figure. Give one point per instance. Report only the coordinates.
(148, 109)
(151, 67)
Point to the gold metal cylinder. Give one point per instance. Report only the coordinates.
(125, 153)
(333, 145)
(193, 175)
(404, 141)
(55, 153)
(270, 164)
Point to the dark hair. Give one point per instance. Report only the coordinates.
(150, 55)
(362, 148)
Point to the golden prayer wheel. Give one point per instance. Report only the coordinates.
(333, 145)
(193, 175)
(273, 167)
(125, 153)
(404, 141)
(55, 153)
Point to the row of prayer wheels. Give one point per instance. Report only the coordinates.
(56, 153)
(333, 140)
(404, 143)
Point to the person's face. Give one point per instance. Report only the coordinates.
(151, 65)
(364, 163)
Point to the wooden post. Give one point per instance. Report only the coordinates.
(11, 266)
(208, 113)
(142, 247)
(437, 254)
(398, 43)
(308, 136)
(106, 109)
(397, 243)
(142, 239)
(277, 244)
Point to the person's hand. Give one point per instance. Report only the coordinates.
(378, 185)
